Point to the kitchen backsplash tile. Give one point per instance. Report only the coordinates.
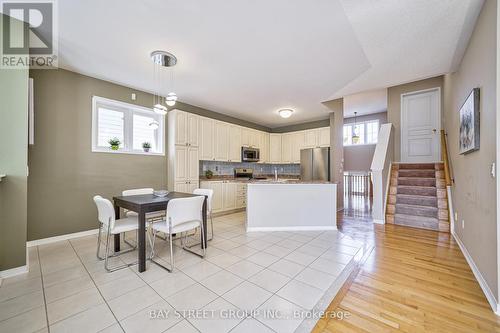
(227, 168)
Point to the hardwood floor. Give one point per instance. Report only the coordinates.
(414, 280)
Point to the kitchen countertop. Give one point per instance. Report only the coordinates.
(282, 179)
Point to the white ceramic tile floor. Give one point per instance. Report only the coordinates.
(68, 288)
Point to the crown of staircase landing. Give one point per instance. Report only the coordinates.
(418, 197)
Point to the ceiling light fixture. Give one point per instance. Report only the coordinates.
(163, 59)
(154, 125)
(285, 113)
(355, 130)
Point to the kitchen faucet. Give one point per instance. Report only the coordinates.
(275, 173)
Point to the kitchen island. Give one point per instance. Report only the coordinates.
(291, 206)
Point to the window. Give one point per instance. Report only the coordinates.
(366, 131)
(128, 123)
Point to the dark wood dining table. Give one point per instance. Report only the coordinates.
(142, 204)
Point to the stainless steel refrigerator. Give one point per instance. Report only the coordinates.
(315, 164)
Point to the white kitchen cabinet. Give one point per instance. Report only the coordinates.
(234, 143)
(206, 136)
(229, 201)
(193, 130)
(181, 163)
(181, 134)
(181, 187)
(264, 147)
(193, 164)
(255, 139)
(297, 144)
(221, 141)
(217, 198)
(274, 148)
(186, 128)
(311, 138)
(245, 136)
(286, 148)
(324, 137)
(186, 186)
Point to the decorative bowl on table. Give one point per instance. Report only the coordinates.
(160, 193)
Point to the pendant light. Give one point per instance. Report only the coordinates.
(355, 134)
(162, 59)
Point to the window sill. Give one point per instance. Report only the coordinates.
(126, 152)
(361, 144)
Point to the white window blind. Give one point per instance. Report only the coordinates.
(143, 132)
(128, 123)
(110, 124)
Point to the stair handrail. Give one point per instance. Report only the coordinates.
(444, 157)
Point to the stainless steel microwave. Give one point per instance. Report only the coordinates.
(250, 154)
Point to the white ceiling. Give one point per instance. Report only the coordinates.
(364, 103)
(247, 59)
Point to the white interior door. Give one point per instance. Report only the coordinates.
(420, 126)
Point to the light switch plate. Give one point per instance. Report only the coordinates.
(493, 170)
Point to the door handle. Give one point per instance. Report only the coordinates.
(434, 130)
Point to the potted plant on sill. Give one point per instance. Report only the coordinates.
(146, 146)
(114, 143)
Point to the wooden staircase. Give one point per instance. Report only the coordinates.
(417, 196)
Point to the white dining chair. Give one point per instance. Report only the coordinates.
(209, 193)
(107, 221)
(150, 217)
(183, 215)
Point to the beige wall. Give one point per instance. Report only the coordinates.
(13, 163)
(394, 105)
(359, 158)
(474, 191)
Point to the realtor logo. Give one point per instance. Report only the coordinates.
(29, 34)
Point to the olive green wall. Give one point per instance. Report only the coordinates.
(394, 105)
(13, 163)
(301, 127)
(337, 147)
(474, 191)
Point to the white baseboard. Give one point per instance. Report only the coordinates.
(490, 296)
(300, 228)
(61, 238)
(378, 221)
(14, 271)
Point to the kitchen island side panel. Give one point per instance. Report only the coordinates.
(275, 207)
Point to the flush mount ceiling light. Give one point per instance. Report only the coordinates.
(163, 59)
(285, 113)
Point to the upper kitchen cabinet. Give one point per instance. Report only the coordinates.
(297, 143)
(180, 121)
(250, 137)
(286, 148)
(186, 128)
(245, 137)
(221, 141)
(234, 143)
(193, 123)
(324, 137)
(206, 136)
(274, 148)
(264, 147)
(311, 138)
